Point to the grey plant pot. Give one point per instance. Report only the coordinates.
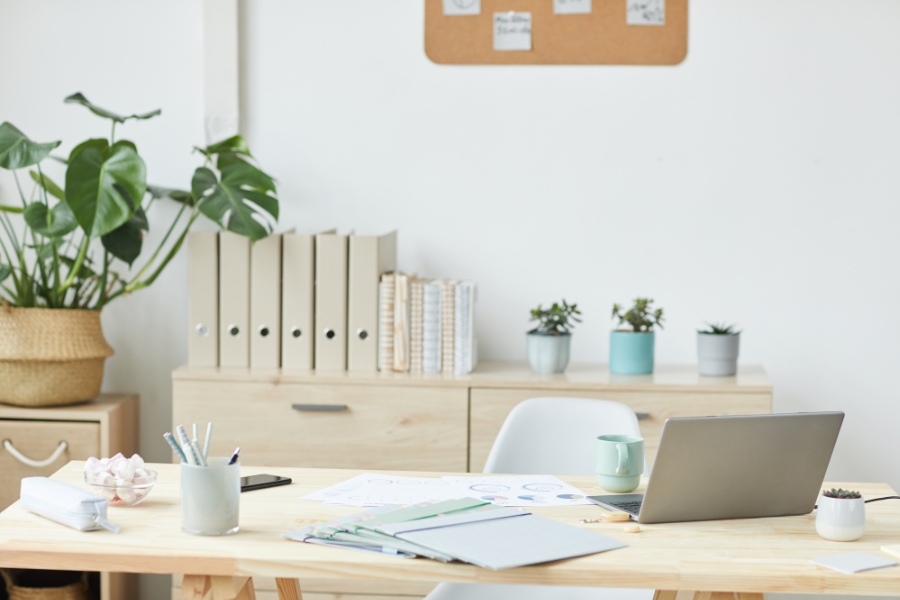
(548, 353)
(718, 354)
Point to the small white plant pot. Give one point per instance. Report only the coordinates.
(548, 353)
(718, 354)
(841, 519)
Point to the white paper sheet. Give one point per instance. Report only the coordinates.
(462, 7)
(854, 562)
(380, 490)
(512, 31)
(646, 12)
(519, 490)
(571, 7)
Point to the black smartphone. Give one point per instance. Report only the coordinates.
(258, 482)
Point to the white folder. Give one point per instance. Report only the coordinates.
(297, 298)
(234, 300)
(265, 303)
(203, 299)
(369, 257)
(331, 302)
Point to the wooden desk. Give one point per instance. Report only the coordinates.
(748, 557)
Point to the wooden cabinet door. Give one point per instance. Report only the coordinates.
(339, 426)
(38, 440)
(490, 408)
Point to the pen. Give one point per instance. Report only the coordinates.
(189, 453)
(198, 456)
(234, 456)
(171, 441)
(206, 441)
(182, 436)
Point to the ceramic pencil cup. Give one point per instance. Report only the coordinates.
(210, 497)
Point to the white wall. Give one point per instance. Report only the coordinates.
(756, 182)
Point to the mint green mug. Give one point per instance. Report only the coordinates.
(620, 462)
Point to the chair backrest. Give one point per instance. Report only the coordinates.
(556, 436)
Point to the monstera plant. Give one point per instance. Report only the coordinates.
(78, 245)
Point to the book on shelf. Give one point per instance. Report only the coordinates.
(448, 295)
(386, 322)
(416, 324)
(401, 322)
(465, 350)
(431, 327)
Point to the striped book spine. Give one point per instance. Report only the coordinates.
(462, 329)
(386, 322)
(447, 297)
(431, 327)
(416, 324)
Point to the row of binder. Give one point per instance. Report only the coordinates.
(426, 326)
(295, 301)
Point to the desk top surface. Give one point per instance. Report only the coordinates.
(506, 374)
(751, 555)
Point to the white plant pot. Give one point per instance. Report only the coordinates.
(718, 354)
(548, 353)
(841, 519)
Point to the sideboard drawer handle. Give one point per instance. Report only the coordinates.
(320, 407)
(37, 464)
(642, 416)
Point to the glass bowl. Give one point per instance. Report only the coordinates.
(129, 493)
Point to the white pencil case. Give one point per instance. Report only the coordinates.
(64, 504)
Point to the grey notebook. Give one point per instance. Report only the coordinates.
(514, 541)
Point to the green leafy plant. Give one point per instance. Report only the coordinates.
(67, 251)
(719, 329)
(640, 317)
(556, 320)
(842, 494)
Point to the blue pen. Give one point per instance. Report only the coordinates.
(234, 456)
(171, 440)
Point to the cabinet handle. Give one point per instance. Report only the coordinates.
(642, 416)
(320, 407)
(37, 464)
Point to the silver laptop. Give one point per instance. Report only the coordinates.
(710, 468)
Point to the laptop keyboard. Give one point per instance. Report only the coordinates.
(633, 508)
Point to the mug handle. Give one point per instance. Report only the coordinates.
(622, 469)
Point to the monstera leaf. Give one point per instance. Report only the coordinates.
(125, 241)
(243, 201)
(53, 223)
(229, 151)
(104, 185)
(157, 192)
(17, 151)
(78, 98)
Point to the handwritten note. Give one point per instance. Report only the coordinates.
(462, 7)
(512, 31)
(571, 7)
(646, 12)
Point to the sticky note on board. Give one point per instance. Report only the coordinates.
(646, 12)
(571, 7)
(462, 7)
(512, 31)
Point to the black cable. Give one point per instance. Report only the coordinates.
(872, 500)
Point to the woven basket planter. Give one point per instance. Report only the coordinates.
(50, 357)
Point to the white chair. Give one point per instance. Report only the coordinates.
(550, 436)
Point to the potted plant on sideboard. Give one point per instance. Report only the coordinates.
(631, 349)
(549, 342)
(841, 515)
(718, 347)
(63, 262)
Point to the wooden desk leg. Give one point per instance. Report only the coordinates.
(288, 589)
(214, 587)
(688, 595)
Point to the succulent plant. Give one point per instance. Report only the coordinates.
(556, 320)
(640, 317)
(719, 329)
(842, 494)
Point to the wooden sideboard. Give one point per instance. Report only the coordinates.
(403, 421)
(102, 427)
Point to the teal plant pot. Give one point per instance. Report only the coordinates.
(631, 353)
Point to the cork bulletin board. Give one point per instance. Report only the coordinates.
(601, 37)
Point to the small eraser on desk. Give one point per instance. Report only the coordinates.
(854, 562)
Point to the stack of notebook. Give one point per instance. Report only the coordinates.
(427, 326)
(465, 529)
